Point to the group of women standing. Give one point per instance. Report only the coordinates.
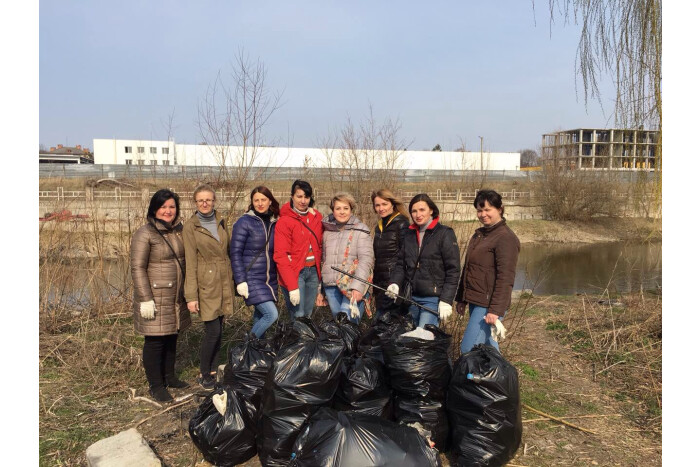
(414, 258)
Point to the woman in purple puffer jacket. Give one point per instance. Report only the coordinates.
(252, 248)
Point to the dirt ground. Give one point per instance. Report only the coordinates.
(554, 379)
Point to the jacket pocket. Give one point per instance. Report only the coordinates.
(161, 284)
(477, 279)
(206, 276)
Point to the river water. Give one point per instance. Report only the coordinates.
(588, 268)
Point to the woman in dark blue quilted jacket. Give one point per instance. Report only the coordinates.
(252, 248)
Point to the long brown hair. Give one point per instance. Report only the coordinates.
(265, 191)
(395, 202)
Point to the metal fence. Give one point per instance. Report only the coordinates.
(145, 172)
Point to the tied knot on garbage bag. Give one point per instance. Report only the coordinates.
(220, 429)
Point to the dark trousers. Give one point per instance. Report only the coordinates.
(211, 343)
(159, 358)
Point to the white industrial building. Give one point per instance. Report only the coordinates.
(147, 152)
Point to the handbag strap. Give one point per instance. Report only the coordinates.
(309, 229)
(347, 250)
(420, 252)
(171, 249)
(250, 265)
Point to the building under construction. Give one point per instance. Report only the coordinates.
(613, 149)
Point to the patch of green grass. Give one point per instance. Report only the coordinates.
(527, 370)
(589, 407)
(57, 446)
(541, 400)
(582, 346)
(555, 326)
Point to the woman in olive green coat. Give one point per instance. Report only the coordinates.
(208, 277)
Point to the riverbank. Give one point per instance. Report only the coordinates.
(598, 230)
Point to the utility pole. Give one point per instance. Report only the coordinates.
(482, 152)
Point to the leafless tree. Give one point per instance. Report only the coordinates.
(232, 117)
(529, 158)
(364, 157)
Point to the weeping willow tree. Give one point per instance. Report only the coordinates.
(621, 38)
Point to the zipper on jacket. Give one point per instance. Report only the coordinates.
(268, 232)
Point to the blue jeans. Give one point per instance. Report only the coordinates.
(339, 303)
(308, 289)
(478, 331)
(264, 315)
(422, 317)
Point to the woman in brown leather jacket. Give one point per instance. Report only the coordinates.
(160, 310)
(489, 271)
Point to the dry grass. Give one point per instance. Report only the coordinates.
(620, 339)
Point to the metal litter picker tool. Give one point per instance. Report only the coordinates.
(384, 290)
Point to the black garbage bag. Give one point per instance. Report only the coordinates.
(247, 368)
(364, 388)
(227, 439)
(484, 408)
(383, 327)
(286, 332)
(345, 439)
(419, 372)
(344, 329)
(304, 377)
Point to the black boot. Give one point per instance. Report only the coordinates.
(160, 394)
(172, 381)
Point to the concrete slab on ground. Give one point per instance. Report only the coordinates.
(124, 449)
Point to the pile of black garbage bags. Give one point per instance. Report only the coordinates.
(331, 395)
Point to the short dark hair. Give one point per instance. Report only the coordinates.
(494, 199)
(265, 191)
(424, 197)
(306, 188)
(158, 200)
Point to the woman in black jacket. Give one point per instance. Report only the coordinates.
(388, 242)
(429, 264)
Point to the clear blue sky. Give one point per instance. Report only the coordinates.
(447, 70)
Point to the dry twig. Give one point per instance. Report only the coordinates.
(557, 419)
(188, 399)
(133, 397)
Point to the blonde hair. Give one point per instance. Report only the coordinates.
(389, 196)
(201, 188)
(345, 198)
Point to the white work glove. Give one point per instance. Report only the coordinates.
(498, 331)
(219, 401)
(242, 289)
(392, 291)
(294, 297)
(354, 310)
(445, 310)
(148, 309)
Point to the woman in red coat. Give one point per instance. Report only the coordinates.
(298, 250)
